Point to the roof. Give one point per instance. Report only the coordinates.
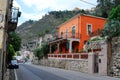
(78, 15)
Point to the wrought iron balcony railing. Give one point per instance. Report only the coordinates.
(96, 33)
(65, 36)
(13, 18)
(69, 35)
(15, 14)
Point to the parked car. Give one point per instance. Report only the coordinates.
(13, 65)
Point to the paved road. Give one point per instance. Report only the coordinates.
(33, 72)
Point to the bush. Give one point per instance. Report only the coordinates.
(42, 51)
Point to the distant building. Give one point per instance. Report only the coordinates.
(76, 9)
(47, 37)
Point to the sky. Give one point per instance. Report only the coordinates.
(35, 9)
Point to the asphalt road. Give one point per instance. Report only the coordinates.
(33, 72)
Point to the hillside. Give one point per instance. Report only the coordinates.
(48, 24)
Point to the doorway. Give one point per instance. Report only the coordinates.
(96, 63)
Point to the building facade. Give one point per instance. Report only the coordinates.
(74, 33)
(8, 22)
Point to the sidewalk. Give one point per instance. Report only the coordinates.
(10, 75)
(7, 75)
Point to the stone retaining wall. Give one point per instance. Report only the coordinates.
(69, 64)
(116, 57)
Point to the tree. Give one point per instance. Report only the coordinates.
(104, 7)
(116, 2)
(42, 51)
(111, 30)
(11, 50)
(41, 34)
(15, 41)
(18, 53)
(115, 14)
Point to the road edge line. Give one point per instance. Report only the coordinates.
(16, 78)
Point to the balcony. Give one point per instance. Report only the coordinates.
(96, 33)
(12, 23)
(66, 36)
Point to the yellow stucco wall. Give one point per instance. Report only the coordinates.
(3, 8)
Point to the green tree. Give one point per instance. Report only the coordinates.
(116, 2)
(11, 50)
(41, 34)
(115, 14)
(18, 53)
(42, 51)
(45, 49)
(111, 30)
(15, 40)
(104, 7)
(38, 53)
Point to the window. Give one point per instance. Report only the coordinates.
(66, 33)
(61, 34)
(73, 31)
(89, 28)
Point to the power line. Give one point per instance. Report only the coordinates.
(88, 2)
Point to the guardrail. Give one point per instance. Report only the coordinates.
(69, 56)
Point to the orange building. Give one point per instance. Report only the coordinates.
(73, 33)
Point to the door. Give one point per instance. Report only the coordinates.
(96, 64)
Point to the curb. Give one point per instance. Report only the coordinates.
(16, 78)
(7, 75)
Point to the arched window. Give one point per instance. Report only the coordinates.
(66, 33)
(61, 34)
(73, 31)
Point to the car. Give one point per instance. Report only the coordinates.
(14, 64)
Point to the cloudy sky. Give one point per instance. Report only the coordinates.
(35, 9)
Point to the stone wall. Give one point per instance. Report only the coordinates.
(116, 57)
(69, 64)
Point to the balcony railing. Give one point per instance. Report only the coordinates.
(95, 33)
(15, 14)
(68, 56)
(13, 18)
(69, 35)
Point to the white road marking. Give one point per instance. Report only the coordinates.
(16, 78)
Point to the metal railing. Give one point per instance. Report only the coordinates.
(95, 33)
(69, 35)
(15, 14)
(69, 56)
